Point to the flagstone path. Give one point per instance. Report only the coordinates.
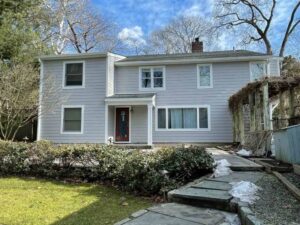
(206, 201)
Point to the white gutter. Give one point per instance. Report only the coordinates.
(193, 60)
(78, 56)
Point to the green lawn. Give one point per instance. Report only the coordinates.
(26, 201)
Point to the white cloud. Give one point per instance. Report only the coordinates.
(195, 10)
(133, 36)
(199, 9)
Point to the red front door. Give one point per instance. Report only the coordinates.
(122, 125)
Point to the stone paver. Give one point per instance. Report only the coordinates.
(203, 194)
(151, 218)
(179, 214)
(212, 184)
(190, 213)
(239, 176)
(237, 163)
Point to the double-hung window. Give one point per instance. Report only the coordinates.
(152, 78)
(257, 70)
(72, 119)
(183, 118)
(204, 76)
(73, 74)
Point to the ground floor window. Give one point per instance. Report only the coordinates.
(183, 118)
(72, 119)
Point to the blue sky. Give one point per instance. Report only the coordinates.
(149, 14)
(137, 18)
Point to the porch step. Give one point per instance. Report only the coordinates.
(132, 146)
(207, 193)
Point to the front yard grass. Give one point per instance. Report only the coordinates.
(43, 202)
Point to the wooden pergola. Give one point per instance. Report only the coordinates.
(259, 95)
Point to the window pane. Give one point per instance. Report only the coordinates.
(257, 70)
(175, 118)
(73, 74)
(161, 118)
(146, 78)
(72, 126)
(146, 83)
(72, 119)
(72, 113)
(190, 118)
(204, 73)
(146, 73)
(203, 118)
(74, 80)
(158, 72)
(158, 82)
(74, 68)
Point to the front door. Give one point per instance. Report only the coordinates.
(122, 125)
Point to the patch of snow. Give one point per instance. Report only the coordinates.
(244, 152)
(245, 191)
(222, 168)
(231, 218)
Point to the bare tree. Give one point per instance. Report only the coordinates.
(19, 97)
(178, 36)
(76, 24)
(254, 18)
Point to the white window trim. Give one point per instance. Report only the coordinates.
(266, 68)
(181, 129)
(211, 76)
(152, 78)
(64, 86)
(62, 119)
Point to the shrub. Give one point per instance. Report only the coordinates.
(136, 171)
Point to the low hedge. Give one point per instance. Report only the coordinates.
(137, 171)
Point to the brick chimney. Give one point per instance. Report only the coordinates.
(197, 46)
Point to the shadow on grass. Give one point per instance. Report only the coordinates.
(107, 209)
(58, 203)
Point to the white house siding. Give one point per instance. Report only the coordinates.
(91, 97)
(139, 125)
(274, 66)
(181, 89)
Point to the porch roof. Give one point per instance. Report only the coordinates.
(131, 99)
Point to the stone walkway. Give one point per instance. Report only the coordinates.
(206, 201)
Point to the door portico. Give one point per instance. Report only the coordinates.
(129, 118)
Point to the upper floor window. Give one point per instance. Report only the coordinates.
(152, 78)
(73, 74)
(204, 76)
(257, 70)
(72, 118)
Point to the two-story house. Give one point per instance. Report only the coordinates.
(146, 99)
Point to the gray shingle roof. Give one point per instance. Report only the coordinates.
(214, 54)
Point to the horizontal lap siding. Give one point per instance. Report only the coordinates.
(92, 97)
(181, 89)
(139, 125)
(274, 67)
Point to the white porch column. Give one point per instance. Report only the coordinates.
(149, 124)
(106, 124)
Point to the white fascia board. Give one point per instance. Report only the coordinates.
(190, 61)
(78, 56)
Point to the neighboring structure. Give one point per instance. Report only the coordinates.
(150, 98)
(274, 103)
